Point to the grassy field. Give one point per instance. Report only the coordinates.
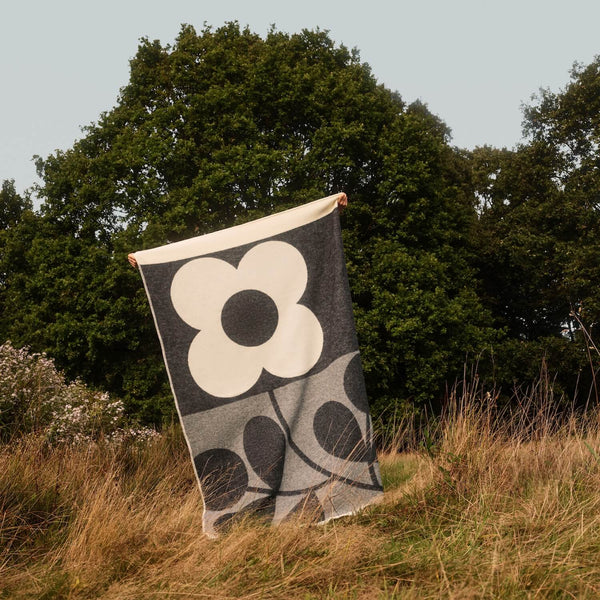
(490, 506)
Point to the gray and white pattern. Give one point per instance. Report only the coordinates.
(261, 350)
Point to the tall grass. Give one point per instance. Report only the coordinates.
(490, 503)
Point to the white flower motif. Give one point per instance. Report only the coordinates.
(227, 356)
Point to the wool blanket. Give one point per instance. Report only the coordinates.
(258, 338)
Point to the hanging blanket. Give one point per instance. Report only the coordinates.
(258, 337)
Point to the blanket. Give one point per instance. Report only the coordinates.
(258, 337)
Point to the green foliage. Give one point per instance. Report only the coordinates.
(568, 123)
(12, 205)
(524, 228)
(222, 128)
(82, 305)
(539, 231)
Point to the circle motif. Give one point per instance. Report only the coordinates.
(249, 318)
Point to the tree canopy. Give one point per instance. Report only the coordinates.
(539, 228)
(449, 252)
(222, 128)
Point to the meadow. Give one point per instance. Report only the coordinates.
(481, 503)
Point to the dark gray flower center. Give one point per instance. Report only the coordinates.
(249, 318)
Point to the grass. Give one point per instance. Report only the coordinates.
(492, 506)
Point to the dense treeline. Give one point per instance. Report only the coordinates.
(453, 256)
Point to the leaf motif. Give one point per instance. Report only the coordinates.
(223, 476)
(354, 385)
(265, 446)
(338, 432)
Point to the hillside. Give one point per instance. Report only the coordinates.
(480, 510)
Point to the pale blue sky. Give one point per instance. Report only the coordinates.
(62, 62)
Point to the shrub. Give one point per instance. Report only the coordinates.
(36, 398)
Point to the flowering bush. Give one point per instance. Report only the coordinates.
(29, 389)
(34, 397)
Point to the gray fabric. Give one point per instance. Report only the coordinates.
(297, 436)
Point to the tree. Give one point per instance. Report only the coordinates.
(12, 209)
(225, 127)
(568, 123)
(539, 228)
(12, 204)
(524, 222)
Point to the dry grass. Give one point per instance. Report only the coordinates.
(494, 506)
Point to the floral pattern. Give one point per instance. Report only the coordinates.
(257, 332)
(249, 315)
